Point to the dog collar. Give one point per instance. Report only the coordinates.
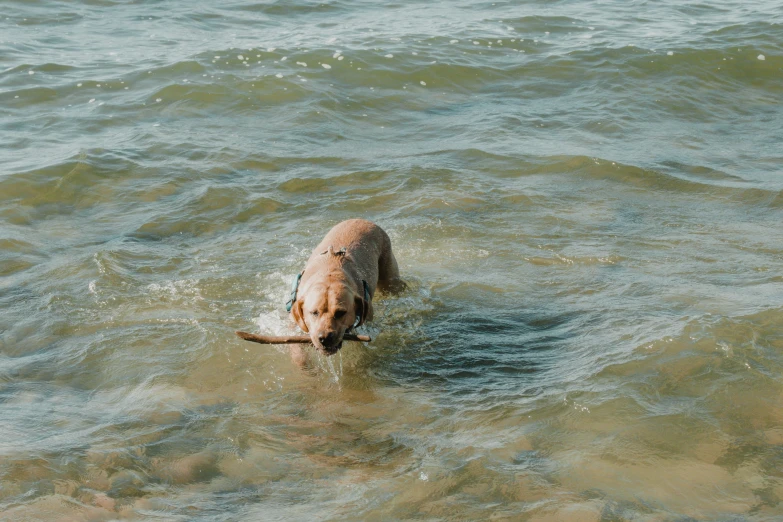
(294, 288)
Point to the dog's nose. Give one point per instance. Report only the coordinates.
(326, 339)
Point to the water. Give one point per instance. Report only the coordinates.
(585, 198)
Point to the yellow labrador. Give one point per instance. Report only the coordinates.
(333, 294)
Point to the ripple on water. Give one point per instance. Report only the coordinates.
(584, 199)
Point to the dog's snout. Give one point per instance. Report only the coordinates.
(326, 339)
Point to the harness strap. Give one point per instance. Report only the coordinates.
(359, 316)
(294, 288)
(330, 250)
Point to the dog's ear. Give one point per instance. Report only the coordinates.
(296, 312)
(363, 307)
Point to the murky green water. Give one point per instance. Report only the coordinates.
(585, 198)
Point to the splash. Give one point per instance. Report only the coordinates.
(335, 371)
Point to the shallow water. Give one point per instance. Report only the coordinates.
(585, 198)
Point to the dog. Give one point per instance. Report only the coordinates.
(334, 292)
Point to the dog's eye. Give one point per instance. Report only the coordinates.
(339, 314)
(314, 313)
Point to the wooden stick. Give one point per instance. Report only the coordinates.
(287, 339)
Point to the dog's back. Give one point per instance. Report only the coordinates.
(367, 245)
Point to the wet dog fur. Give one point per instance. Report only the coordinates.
(331, 293)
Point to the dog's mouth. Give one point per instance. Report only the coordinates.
(331, 350)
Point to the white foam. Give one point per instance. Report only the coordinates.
(279, 75)
(303, 64)
(670, 53)
(761, 57)
(453, 41)
(326, 66)
(241, 57)
(273, 323)
(423, 83)
(389, 56)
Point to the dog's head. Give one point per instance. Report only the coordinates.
(326, 310)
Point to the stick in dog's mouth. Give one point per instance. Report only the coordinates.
(298, 339)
